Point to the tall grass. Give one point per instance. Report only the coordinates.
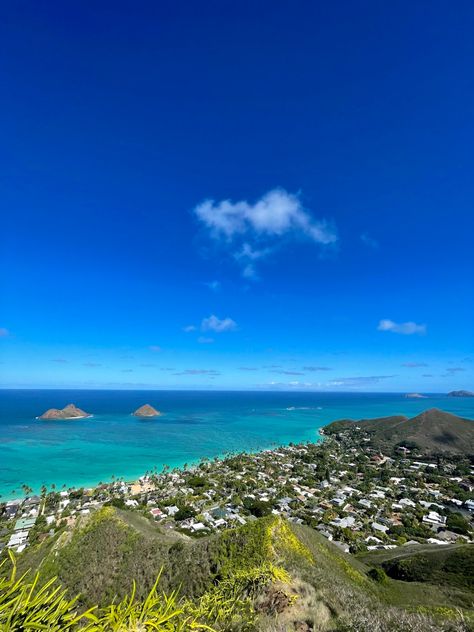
(27, 606)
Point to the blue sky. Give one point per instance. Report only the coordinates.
(252, 195)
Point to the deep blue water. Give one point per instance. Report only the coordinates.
(195, 424)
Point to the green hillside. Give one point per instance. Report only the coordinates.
(433, 431)
(268, 575)
(451, 565)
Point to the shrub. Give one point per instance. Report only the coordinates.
(378, 574)
(457, 523)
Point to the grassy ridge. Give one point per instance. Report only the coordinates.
(245, 579)
(433, 431)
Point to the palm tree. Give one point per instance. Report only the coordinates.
(26, 489)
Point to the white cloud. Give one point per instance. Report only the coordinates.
(203, 340)
(155, 348)
(189, 328)
(359, 380)
(4, 332)
(212, 372)
(275, 214)
(369, 241)
(215, 286)
(414, 365)
(213, 323)
(247, 256)
(406, 329)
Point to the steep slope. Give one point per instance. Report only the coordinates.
(432, 431)
(268, 575)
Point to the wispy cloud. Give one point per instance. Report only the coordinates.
(455, 369)
(363, 380)
(247, 368)
(147, 364)
(205, 340)
(155, 348)
(356, 382)
(414, 365)
(405, 329)
(4, 332)
(215, 286)
(283, 372)
(211, 372)
(247, 256)
(127, 370)
(253, 230)
(213, 323)
(317, 368)
(189, 328)
(92, 364)
(369, 241)
(60, 360)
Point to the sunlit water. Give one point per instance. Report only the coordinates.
(194, 425)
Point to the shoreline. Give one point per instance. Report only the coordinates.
(135, 479)
(41, 418)
(130, 456)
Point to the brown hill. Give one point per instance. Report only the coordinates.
(432, 431)
(68, 412)
(146, 411)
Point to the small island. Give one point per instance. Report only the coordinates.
(415, 396)
(68, 412)
(461, 394)
(146, 411)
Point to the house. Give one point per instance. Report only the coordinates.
(24, 524)
(343, 523)
(31, 501)
(434, 519)
(376, 526)
(17, 539)
(11, 508)
(156, 513)
(219, 513)
(198, 526)
(372, 538)
(342, 546)
(469, 504)
(406, 502)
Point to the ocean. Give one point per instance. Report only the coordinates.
(194, 425)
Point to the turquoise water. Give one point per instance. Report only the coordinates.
(195, 424)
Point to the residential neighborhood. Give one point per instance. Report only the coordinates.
(355, 496)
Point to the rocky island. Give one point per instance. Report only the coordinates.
(146, 411)
(461, 394)
(68, 412)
